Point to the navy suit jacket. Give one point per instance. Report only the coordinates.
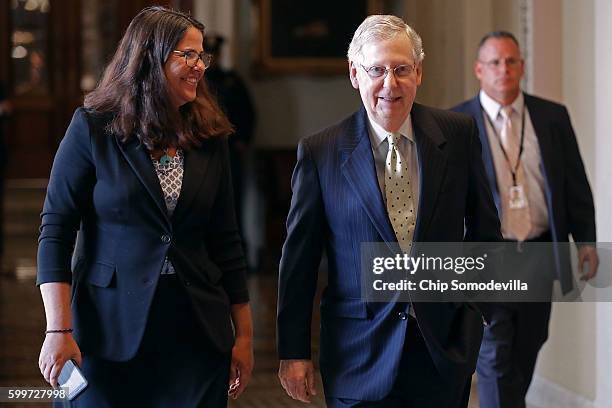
(110, 193)
(336, 205)
(567, 190)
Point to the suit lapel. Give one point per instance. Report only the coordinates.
(360, 171)
(138, 158)
(487, 156)
(196, 165)
(432, 164)
(542, 130)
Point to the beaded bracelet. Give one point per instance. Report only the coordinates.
(58, 331)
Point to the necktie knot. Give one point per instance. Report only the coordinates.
(394, 139)
(506, 112)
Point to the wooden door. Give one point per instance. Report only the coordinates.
(51, 53)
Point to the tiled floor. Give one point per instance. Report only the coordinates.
(22, 316)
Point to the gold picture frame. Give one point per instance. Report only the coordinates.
(307, 37)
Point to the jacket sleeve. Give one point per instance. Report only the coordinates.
(225, 244)
(481, 220)
(68, 199)
(300, 259)
(578, 195)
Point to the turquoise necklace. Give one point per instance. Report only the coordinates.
(165, 159)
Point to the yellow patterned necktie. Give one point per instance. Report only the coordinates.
(398, 192)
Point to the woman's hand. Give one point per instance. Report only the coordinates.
(57, 347)
(56, 350)
(242, 353)
(242, 366)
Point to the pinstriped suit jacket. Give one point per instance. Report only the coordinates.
(336, 205)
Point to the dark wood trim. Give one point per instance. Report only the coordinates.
(5, 42)
(39, 119)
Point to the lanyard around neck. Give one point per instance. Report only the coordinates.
(501, 146)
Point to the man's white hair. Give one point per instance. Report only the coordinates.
(383, 27)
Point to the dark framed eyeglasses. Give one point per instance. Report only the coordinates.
(400, 71)
(192, 57)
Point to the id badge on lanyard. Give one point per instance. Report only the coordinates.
(517, 197)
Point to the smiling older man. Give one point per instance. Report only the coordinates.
(348, 185)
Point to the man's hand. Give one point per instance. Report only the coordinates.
(297, 378)
(588, 254)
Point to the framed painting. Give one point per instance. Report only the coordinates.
(308, 37)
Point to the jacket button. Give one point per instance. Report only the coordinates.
(187, 283)
(165, 238)
(402, 315)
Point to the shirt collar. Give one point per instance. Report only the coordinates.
(378, 134)
(492, 107)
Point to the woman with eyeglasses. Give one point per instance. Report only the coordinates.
(150, 297)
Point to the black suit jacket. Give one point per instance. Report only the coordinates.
(336, 205)
(110, 193)
(567, 190)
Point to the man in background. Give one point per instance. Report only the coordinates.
(542, 194)
(233, 97)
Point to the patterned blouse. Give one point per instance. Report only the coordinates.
(171, 180)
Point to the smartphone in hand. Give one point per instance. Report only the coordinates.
(72, 378)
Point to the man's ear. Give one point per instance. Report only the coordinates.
(478, 69)
(419, 73)
(353, 74)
